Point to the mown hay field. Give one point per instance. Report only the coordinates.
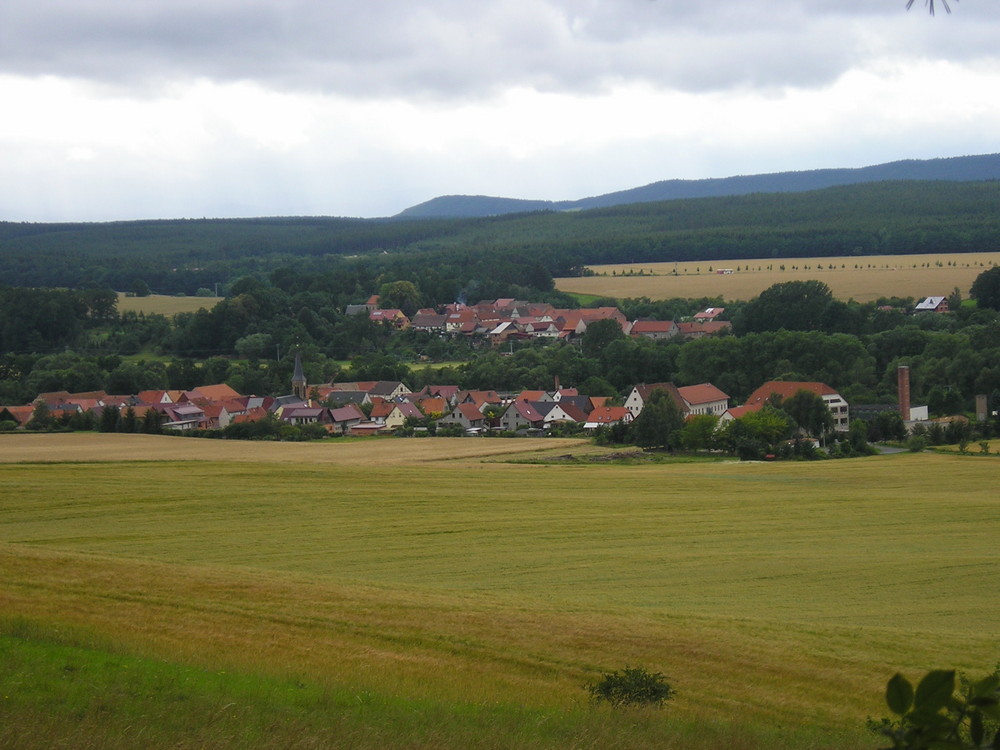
(161, 304)
(778, 598)
(862, 278)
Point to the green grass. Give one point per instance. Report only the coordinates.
(777, 598)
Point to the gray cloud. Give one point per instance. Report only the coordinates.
(454, 48)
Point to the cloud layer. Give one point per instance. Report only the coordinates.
(175, 107)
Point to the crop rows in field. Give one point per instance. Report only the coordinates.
(862, 278)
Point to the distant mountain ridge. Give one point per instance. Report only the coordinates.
(957, 169)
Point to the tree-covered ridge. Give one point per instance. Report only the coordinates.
(525, 249)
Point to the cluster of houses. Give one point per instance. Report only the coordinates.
(379, 407)
(501, 320)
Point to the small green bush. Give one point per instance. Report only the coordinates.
(632, 686)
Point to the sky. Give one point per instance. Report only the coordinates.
(143, 109)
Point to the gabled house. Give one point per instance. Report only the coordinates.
(300, 415)
(607, 415)
(555, 412)
(521, 415)
(467, 415)
(657, 330)
(393, 317)
(429, 321)
(390, 390)
(704, 398)
(343, 418)
(640, 395)
(932, 304)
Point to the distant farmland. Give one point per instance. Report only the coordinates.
(863, 278)
(161, 304)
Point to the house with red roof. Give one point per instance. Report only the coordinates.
(657, 330)
(606, 416)
(701, 328)
(704, 398)
(837, 404)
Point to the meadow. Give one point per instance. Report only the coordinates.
(440, 593)
(862, 278)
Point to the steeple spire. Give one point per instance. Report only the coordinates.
(299, 378)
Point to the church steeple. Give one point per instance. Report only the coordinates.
(299, 378)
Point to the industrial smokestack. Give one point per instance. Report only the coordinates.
(903, 385)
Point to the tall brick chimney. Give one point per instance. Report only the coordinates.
(903, 386)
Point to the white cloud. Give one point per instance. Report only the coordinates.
(187, 108)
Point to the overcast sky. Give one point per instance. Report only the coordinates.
(126, 109)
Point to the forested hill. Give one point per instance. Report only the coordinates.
(181, 256)
(959, 169)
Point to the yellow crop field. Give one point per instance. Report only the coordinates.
(161, 304)
(777, 597)
(862, 278)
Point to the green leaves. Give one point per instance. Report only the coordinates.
(899, 694)
(933, 716)
(934, 691)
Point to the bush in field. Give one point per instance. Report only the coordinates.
(936, 716)
(632, 686)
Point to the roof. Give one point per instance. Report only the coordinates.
(703, 327)
(787, 389)
(608, 415)
(703, 393)
(652, 326)
(346, 413)
(219, 392)
(929, 303)
(709, 313)
(526, 410)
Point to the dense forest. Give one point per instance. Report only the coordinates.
(494, 256)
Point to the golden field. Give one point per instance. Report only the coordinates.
(161, 304)
(862, 278)
(778, 598)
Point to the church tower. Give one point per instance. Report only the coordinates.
(299, 378)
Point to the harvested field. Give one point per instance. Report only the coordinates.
(161, 304)
(862, 278)
(112, 447)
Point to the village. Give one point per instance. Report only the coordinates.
(370, 408)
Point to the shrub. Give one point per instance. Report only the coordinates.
(632, 686)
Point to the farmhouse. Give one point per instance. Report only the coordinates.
(932, 304)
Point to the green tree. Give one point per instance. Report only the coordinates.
(986, 289)
(809, 411)
(792, 305)
(660, 422)
(599, 334)
(698, 431)
(401, 295)
(41, 417)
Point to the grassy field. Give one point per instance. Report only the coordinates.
(161, 304)
(863, 278)
(428, 593)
